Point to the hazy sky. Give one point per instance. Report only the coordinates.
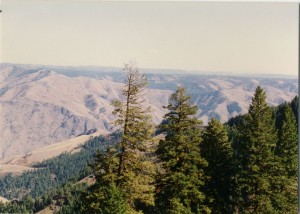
(233, 37)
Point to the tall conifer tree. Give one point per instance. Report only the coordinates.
(218, 152)
(285, 195)
(287, 147)
(256, 157)
(135, 172)
(126, 175)
(180, 183)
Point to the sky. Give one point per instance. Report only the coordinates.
(235, 37)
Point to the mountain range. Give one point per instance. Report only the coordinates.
(43, 105)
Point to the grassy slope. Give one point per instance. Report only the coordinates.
(19, 164)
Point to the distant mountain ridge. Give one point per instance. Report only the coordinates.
(93, 70)
(41, 105)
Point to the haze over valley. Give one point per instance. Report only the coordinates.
(43, 105)
(134, 107)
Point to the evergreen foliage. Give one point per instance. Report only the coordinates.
(134, 171)
(285, 195)
(279, 112)
(255, 155)
(105, 196)
(287, 147)
(294, 105)
(67, 197)
(131, 175)
(54, 172)
(179, 184)
(248, 165)
(217, 150)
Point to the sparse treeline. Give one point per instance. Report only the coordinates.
(247, 165)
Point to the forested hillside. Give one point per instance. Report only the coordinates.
(54, 172)
(69, 198)
(246, 165)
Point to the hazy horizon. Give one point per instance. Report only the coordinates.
(160, 70)
(237, 38)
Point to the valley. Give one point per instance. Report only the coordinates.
(21, 163)
(55, 120)
(42, 106)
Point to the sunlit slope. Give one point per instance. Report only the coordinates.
(43, 105)
(21, 163)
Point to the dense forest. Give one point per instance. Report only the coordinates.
(51, 174)
(246, 165)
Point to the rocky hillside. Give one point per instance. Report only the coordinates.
(42, 105)
(226, 96)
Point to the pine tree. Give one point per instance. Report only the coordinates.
(294, 106)
(287, 147)
(105, 196)
(179, 183)
(125, 174)
(135, 170)
(285, 195)
(218, 152)
(255, 154)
